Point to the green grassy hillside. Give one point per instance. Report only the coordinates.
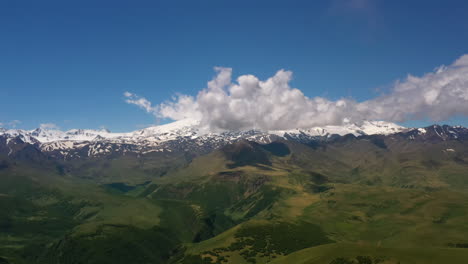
(369, 200)
(343, 253)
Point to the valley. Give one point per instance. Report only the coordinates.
(366, 198)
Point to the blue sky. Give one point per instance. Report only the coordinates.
(70, 63)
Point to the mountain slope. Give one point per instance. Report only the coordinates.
(80, 143)
(236, 200)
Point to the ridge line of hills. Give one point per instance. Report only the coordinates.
(237, 198)
(185, 135)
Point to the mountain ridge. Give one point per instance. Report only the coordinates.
(191, 127)
(186, 136)
(212, 193)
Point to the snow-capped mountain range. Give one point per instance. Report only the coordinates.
(189, 128)
(183, 135)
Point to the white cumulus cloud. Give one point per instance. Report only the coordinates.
(272, 104)
(139, 101)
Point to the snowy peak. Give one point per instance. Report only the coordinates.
(47, 135)
(381, 128)
(176, 134)
(51, 135)
(186, 135)
(189, 128)
(185, 127)
(437, 132)
(89, 134)
(24, 135)
(366, 128)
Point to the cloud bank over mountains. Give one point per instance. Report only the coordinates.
(11, 124)
(49, 126)
(272, 104)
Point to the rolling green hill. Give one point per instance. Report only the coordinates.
(373, 199)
